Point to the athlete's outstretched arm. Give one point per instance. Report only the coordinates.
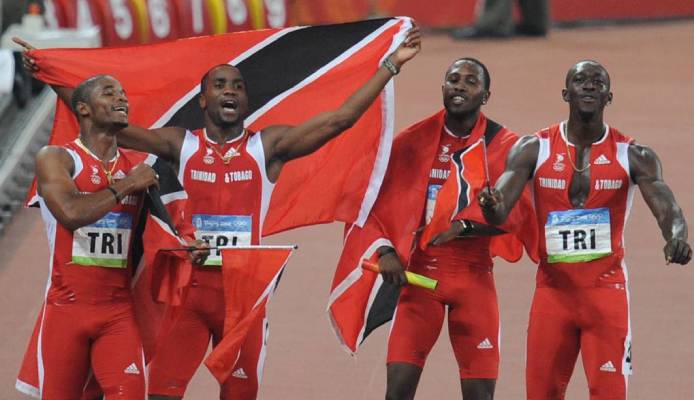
(163, 142)
(646, 171)
(520, 166)
(284, 143)
(68, 205)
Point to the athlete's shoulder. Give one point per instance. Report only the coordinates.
(53, 151)
(619, 137)
(51, 156)
(546, 132)
(641, 153)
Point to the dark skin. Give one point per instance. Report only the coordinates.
(100, 119)
(224, 101)
(464, 93)
(588, 93)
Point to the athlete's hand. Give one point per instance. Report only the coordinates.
(408, 48)
(391, 269)
(677, 251)
(452, 232)
(141, 177)
(27, 60)
(201, 252)
(490, 203)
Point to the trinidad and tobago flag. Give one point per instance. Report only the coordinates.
(468, 174)
(360, 301)
(291, 75)
(250, 276)
(161, 225)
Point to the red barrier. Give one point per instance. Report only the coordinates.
(430, 13)
(313, 12)
(452, 13)
(121, 22)
(76, 13)
(54, 13)
(163, 20)
(193, 17)
(571, 10)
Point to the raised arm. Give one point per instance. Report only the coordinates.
(68, 205)
(164, 142)
(646, 171)
(284, 143)
(520, 166)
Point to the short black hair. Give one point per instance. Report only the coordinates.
(485, 71)
(570, 73)
(203, 81)
(84, 90)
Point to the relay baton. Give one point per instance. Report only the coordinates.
(412, 278)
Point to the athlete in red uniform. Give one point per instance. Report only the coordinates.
(90, 194)
(583, 174)
(229, 173)
(460, 260)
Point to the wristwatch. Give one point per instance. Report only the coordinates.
(467, 228)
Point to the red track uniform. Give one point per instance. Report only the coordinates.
(227, 202)
(581, 300)
(466, 291)
(88, 321)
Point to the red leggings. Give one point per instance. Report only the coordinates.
(469, 295)
(183, 349)
(74, 337)
(594, 321)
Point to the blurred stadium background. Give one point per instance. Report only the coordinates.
(650, 62)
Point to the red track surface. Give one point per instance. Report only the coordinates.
(651, 69)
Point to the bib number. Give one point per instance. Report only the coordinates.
(432, 194)
(222, 230)
(104, 243)
(578, 235)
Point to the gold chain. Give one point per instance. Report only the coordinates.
(227, 159)
(568, 153)
(107, 171)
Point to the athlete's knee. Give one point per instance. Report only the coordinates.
(478, 389)
(402, 381)
(159, 397)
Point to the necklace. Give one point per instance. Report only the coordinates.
(571, 161)
(104, 165)
(232, 152)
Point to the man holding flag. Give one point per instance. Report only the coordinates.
(583, 174)
(90, 193)
(457, 254)
(230, 173)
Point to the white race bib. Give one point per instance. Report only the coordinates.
(222, 230)
(104, 243)
(432, 194)
(578, 235)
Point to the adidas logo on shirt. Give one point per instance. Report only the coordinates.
(240, 373)
(601, 160)
(119, 175)
(132, 369)
(608, 367)
(485, 344)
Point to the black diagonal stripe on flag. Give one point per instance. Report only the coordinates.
(492, 129)
(284, 63)
(382, 309)
(153, 205)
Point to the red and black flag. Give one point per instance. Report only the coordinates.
(250, 277)
(468, 174)
(360, 302)
(291, 75)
